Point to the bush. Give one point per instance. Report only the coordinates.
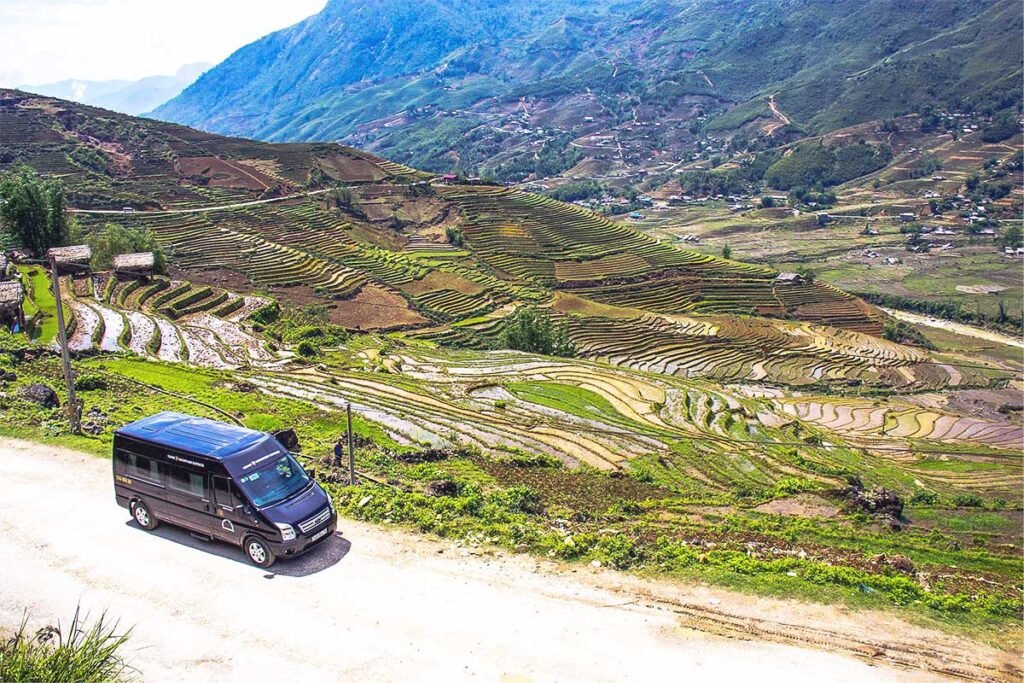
(90, 382)
(88, 654)
(968, 500)
(521, 498)
(925, 498)
(306, 349)
(533, 331)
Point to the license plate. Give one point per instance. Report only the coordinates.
(320, 534)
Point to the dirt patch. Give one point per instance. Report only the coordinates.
(375, 308)
(980, 289)
(224, 279)
(222, 173)
(803, 505)
(437, 280)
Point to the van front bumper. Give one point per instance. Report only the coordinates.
(305, 542)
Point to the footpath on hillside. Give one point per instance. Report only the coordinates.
(383, 604)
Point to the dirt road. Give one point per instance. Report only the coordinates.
(378, 604)
(958, 328)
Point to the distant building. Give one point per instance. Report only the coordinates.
(908, 217)
(449, 177)
(789, 278)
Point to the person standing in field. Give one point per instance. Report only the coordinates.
(339, 451)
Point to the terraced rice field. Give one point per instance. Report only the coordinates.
(506, 403)
(532, 238)
(166, 320)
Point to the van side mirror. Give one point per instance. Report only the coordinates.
(311, 473)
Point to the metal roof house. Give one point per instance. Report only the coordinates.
(70, 259)
(139, 264)
(789, 277)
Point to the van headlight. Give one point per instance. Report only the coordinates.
(287, 532)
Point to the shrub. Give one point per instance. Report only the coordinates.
(521, 498)
(89, 654)
(306, 349)
(968, 500)
(90, 382)
(925, 498)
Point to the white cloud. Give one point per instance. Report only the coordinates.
(52, 40)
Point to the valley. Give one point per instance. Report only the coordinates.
(665, 294)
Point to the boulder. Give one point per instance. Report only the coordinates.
(41, 394)
(443, 488)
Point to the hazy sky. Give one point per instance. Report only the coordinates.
(51, 40)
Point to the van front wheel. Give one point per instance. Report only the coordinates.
(258, 552)
(143, 516)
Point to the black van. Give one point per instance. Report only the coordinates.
(222, 481)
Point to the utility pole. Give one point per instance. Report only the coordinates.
(73, 416)
(351, 452)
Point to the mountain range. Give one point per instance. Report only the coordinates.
(124, 96)
(482, 86)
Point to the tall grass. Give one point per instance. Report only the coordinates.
(54, 654)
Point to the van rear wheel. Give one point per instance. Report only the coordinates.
(258, 552)
(143, 516)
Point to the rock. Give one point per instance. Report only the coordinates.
(595, 563)
(900, 563)
(289, 439)
(41, 394)
(878, 501)
(442, 488)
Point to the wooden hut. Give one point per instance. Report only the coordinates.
(140, 265)
(70, 259)
(11, 311)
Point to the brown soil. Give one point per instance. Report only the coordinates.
(375, 308)
(437, 280)
(233, 174)
(803, 505)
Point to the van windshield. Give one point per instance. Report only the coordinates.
(275, 482)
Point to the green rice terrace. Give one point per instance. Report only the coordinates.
(716, 421)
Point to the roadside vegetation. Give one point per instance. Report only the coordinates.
(79, 651)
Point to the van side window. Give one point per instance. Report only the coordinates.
(140, 467)
(226, 495)
(184, 481)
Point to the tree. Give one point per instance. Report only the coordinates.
(767, 202)
(33, 210)
(1012, 236)
(533, 331)
(726, 251)
(454, 236)
(121, 239)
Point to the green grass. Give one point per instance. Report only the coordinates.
(40, 298)
(77, 651)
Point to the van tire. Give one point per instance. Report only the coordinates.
(258, 552)
(143, 516)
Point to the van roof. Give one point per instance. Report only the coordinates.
(197, 435)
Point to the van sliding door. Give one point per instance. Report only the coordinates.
(188, 498)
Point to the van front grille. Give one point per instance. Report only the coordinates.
(315, 521)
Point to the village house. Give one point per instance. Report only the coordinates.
(139, 265)
(70, 259)
(12, 315)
